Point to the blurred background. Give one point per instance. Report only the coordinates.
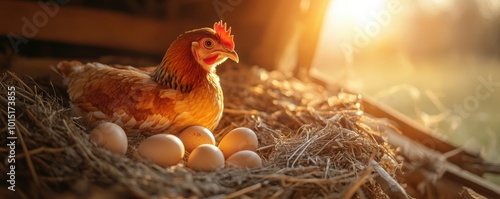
(437, 61)
(429, 59)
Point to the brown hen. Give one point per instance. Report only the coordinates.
(182, 91)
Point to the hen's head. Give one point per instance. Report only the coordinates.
(215, 47)
(196, 53)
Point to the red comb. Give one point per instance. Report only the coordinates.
(225, 35)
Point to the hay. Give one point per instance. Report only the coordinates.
(313, 142)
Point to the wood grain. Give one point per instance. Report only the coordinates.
(89, 27)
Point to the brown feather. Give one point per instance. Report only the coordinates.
(177, 94)
(103, 93)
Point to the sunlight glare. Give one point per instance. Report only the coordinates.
(353, 11)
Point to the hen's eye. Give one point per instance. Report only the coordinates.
(208, 43)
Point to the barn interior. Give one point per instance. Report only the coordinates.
(425, 71)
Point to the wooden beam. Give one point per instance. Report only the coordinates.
(311, 24)
(415, 131)
(426, 166)
(89, 27)
(280, 30)
(467, 179)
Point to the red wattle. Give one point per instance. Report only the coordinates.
(210, 60)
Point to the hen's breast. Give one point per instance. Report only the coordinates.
(203, 106)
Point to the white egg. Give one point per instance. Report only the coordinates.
(195, 136)
(111, 137)
(245, 158)
(206, 157)
(238, 139)
(163, 149)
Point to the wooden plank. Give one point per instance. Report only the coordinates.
(280, 32)
(468, 193)
(432, 169)
(415, 131)
(89, 27)
(455, 174)
(311, 24)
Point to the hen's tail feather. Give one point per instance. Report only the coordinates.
(65, 68)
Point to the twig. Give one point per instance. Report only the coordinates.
(35, 119)
(361, 180)
(388, 183)
(295, 179)
(40, 150)
(20, 81)
(238, 111)
(277, 194)
(28, 157)
(244, 191)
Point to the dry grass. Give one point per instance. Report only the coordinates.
(314, 144)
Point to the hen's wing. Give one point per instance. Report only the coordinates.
(146, 70)
(130, 98)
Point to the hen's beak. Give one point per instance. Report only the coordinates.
(231, 54)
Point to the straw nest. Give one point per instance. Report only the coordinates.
(314, 144)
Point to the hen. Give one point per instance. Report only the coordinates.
(183, 90)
